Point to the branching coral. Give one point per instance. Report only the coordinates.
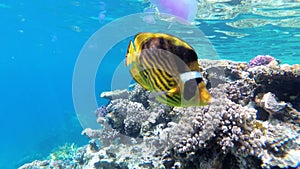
(222, 123)
(126, 116)
(282, 145)
(240, 91)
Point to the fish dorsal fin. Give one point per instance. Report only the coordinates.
(177, 42)
(140, 38)
(135, 48)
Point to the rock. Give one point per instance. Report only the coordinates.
(215, 76)
(278, 110)
(93, 145)
(270, 104)
(116, 94)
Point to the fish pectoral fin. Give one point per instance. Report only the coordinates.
(173, 91)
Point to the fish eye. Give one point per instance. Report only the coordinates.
(190, 88)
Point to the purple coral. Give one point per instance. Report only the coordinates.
(260, 60)
(101, 111)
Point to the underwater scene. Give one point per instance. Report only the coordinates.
(150, 84)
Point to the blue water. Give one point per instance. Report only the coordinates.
(40, 42)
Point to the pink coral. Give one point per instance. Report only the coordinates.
(260, 60)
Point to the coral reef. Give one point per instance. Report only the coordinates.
(101, 111)
(253, 122)
(61, 157)
(282, 80)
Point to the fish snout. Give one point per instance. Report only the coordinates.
(204, 95)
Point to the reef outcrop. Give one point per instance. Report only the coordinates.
(253, 122)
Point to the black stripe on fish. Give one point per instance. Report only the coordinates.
(158, 63)
(186, 56)
(168, 63)
(183, 55)
(161, 57)
(150, 67)
(162, 79)
(190, 88)
(175, 100)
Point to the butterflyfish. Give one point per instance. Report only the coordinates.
(168, 67)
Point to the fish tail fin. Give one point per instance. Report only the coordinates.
(130, 56)
(136, 73)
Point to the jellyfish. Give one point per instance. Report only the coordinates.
(185, 9)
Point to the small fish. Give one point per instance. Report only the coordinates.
(168, 67)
